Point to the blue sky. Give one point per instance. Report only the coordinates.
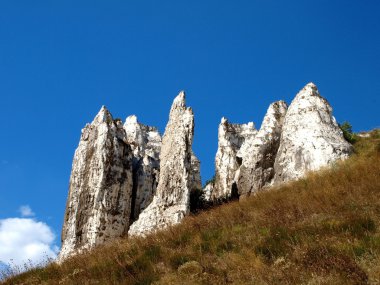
(61, 60)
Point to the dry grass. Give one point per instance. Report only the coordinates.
(324, 229)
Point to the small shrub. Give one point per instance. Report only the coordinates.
(347, 132)
(178, 259)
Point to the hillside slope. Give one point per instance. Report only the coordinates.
(324, 229)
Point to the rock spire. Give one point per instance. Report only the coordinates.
(99, 202)
(311, 137)
(171, 203)
(145, 142)
(259, 154)
(227, 162)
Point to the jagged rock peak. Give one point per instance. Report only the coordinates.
(141, 136)
(145, 142)
(171, 203)
(311, 137)
(99, 201)
(274, 118)
(259, 153)
(311, 85)
(103, 116)
(132, 119)
(179, 102)
(230, 139)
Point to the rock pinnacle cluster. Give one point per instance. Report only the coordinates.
(127, 180)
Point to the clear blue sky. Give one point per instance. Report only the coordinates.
(61, 60)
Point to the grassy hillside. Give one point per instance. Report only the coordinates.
(324, 229)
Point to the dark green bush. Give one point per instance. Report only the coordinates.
(346, 128)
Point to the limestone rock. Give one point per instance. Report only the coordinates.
(195, 173)
(208, 190)
(145, 142)
(259, 153)
(311, 137)
(230, 139)
(99, 201)
(171, 203)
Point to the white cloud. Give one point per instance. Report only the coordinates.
(26, 211)
(24, 241)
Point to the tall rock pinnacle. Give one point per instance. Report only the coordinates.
(145, 142)
(231, 137)
(99, 202)
(171, 203)
(257, 169)
(311, 137)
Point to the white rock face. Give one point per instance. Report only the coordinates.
(259, 152)
(195, 173)
(171, 203)
(227, 161)
(99, 202)
(207, 190)
(310, 139)
(145, 142)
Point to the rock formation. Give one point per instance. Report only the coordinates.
(230, 139)
(259, 153)
(145, 142)
(125, 179)
(311, 137)
(99, 202)
(289, 143)
(171, 203)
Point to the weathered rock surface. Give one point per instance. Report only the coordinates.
(99, 202)
(259, 152)
(171, 203)
(311, 137)
(195, 173)
(227, 162)
(145, 142)
(123, 175)
(208, 190)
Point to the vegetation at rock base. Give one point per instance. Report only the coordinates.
(347, 132)
(323, 229)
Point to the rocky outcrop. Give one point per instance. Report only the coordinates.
(145, 142)
(289, 143)
(171, 203)
(227, 162)
(126, 179)
(259, 153)
(99, 202)
(311, 137)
